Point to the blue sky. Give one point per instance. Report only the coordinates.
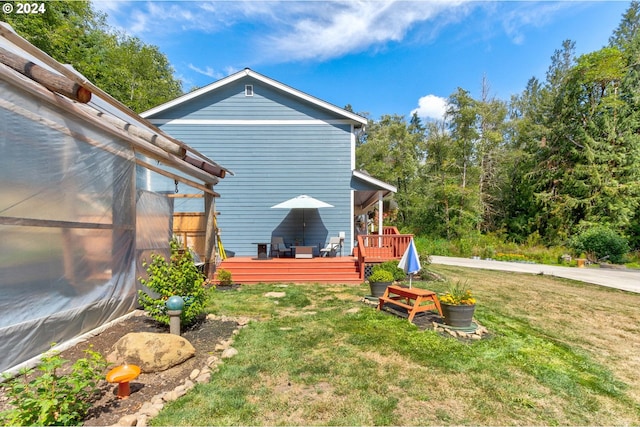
(381, 57)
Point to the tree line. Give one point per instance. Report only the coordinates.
(558, 159)
(72, 32)
(554, 161)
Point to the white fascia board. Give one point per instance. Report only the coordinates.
(307, 97)
(273, 83)
(242, 122)
(373, 181)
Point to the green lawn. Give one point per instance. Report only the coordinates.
(559, 353)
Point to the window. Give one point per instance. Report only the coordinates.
(248, 90)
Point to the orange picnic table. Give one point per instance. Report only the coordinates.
(423, 300)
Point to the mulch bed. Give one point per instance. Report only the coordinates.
(108, 409)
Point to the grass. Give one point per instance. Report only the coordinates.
(560, 353)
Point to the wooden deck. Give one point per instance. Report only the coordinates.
(371, 249)
(249, 270)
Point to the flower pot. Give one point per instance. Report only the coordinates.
(378, 288)
(458, 316)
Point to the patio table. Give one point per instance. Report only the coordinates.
(262, 250)
(303, 251)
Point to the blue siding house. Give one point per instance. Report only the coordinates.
(279, 143)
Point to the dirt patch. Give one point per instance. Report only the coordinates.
(108, 409)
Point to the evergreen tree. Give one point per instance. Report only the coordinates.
(526, 133)
(552, 156)
(627, 39)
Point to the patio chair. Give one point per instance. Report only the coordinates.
(278, 247)
(332, 247)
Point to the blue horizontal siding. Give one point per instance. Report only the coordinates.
(273, 163)
(230, 103)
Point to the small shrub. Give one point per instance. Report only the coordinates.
(381, 276)
(488, 252)
(179, 277)
(50, 398)
(224, 277)
(392, 267)
(601, 243)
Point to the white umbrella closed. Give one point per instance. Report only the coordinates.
(302, 202)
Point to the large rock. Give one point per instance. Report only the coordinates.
(151, 352)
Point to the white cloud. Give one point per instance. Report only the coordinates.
(289, 30)
(324, 30)
(211, 72)
(517, 20)
(431, 107)
(207, 71)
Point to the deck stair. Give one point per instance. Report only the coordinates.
(247, 270)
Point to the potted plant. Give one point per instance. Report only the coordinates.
(458, 306)
(392, 267)
(378, 282)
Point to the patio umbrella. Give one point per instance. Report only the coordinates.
(302, 202)
(410, 261)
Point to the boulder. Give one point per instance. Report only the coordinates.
(151, 352)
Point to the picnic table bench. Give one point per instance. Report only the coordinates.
(423, 300)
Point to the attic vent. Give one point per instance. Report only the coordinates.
(248, 90)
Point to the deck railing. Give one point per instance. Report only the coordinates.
(380, 248)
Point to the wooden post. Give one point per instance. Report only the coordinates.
(46, 78)
(210, 233)
(205, 166)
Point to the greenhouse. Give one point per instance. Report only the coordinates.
(84, 199)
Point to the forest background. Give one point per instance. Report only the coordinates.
(544, 169)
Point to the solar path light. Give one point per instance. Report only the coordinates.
(174, 304)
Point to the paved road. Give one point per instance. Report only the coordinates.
(628, 280)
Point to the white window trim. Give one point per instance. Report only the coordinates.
(248, 90)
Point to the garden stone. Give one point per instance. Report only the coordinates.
(174, 394)
(275, 294)
(150, 351)
(204, 377)
(194, 374)
(142, 421)
(150, 409)
(128, 420)
(159, 398)
(212, 361)
(229, 353)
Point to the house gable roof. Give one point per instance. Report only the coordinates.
(357, 120)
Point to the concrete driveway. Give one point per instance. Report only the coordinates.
(628, 280)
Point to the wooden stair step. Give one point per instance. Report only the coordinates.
(316, 270)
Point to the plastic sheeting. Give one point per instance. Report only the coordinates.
(73, 226)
